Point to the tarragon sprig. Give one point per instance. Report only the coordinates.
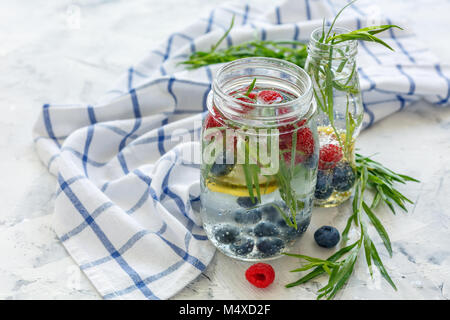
(325, 77)
(284, 178)
(364, 34)
(293, 51)
(374, 177)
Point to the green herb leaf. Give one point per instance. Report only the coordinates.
(359, 35)
(249, 181)
(379, 227)
(250, 87)
(335, 18)
(214, 47)
(368, 253)
(318, 271)
(379, 264)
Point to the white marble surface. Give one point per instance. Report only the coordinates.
(46, 55)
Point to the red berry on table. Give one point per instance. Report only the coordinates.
(329, 156)
(261, 275)
(269, 97)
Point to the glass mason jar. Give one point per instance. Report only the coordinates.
(334, 74)
(259, 158)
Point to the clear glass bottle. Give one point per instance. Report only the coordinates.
(334, 74)
(259, 158)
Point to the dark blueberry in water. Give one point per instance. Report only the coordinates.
(247, 216)
(327, 236)
(249, 231)
(265, 229)
(242, 246)
(283, 224)
(221, 166)
(270, 213)
(247, 202)
(226, 234)
(269, 246)
(292, 233)
(304, 225)
(343, 177)
(312, 161)
(323, 185)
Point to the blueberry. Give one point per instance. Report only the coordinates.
(282, 224)
(312, 161)
(304, 224)
(343, 177)
(247, 216)
(226, 234)
(247, 202)
(292, 233)
(269, 246)
(264, 229)
(323, 185)
(327, 236)
(270, 213)
(221, 166)
(242, 246)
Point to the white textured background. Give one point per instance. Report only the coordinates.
(48, 55)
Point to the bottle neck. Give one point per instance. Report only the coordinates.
(340, 54)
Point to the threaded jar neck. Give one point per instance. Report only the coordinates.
(269, 73)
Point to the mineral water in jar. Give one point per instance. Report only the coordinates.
(259, 158)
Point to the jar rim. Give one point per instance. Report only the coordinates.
(275, 64)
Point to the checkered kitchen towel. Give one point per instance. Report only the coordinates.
(125, 207)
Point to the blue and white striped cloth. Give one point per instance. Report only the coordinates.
(125, 206)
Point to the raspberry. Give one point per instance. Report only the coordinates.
(305, 142)
(261, 275)
(251, 99)
(248, 99)
(284, 110)
(269, 97)
(329, 156)
(252, 95)
(291, 126)
(299, 158)
(211, 120)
